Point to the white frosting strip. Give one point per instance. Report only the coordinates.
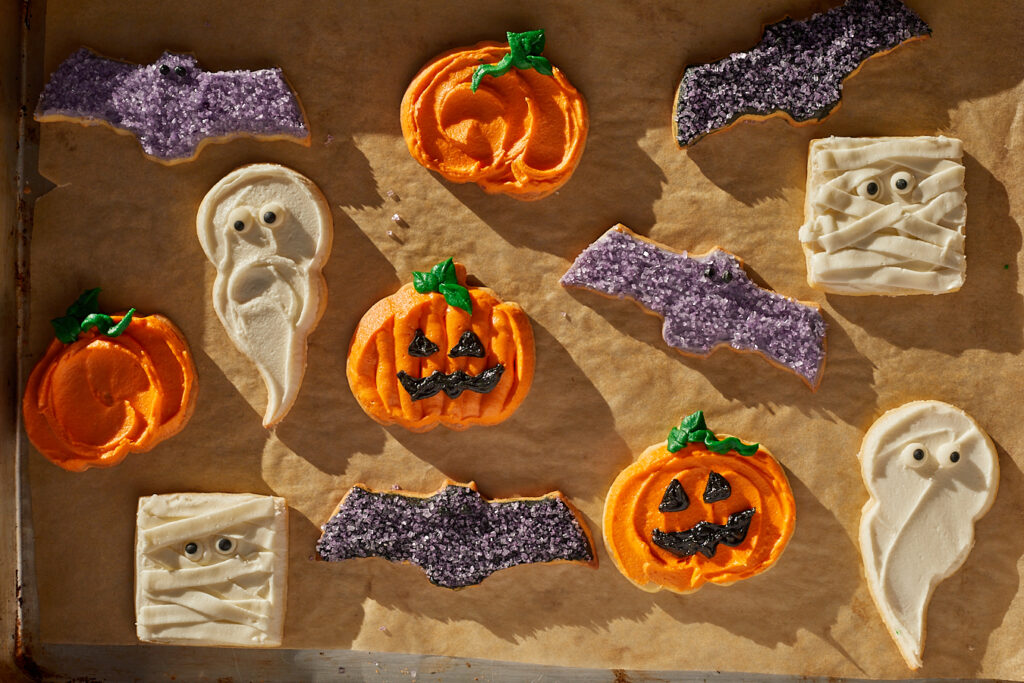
(204, 525)
(268, 232)
(931, 474)
(885, 216)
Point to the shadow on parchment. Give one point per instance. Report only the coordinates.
(847, 373)
(972, 603)
(913, 80)
(987, 313)
(357, 275)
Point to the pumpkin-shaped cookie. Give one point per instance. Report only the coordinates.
(439, 352)
(108, 386)
(698, 509)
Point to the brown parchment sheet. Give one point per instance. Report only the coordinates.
(606, 385)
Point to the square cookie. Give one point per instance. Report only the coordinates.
(211, 569)
(885, 215)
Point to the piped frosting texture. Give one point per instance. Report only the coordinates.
(172, 105)
(797, 68)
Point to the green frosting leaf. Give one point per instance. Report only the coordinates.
(445, 272)
(458, 296)
(83, 315)
(693, 429)
(524, 53)
(442, 279)
(424, 283)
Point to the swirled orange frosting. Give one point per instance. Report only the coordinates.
(90, 403)
(520, 134)
(631, 515)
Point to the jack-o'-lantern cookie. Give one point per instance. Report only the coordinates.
(440, 352)
(697, 509)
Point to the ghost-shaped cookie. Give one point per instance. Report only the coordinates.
(267, 230)
(932, 473)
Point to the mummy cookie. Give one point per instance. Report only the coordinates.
(211, 569)
(268, 231)
(706, 301)
(172, 106)
(454, 535)
(472, 117)
(885, 216)
(108, 386)
(796, 71)
(698, 508)
(440, 352)
(931, 473)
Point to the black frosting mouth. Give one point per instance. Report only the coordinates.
(452, 385)
(704, 537)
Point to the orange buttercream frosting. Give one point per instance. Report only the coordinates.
(631, 516)
(520, 134)
(91, 402)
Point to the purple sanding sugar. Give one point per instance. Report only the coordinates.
(172, 104)
(705, 301)
(798, 67)
(455, 536)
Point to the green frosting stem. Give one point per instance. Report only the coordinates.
(524, 53)
(84, 315)
(442, 279)
(694, 430)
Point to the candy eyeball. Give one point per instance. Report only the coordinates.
(914, 455)
(272, 214)
(902, 182)
(225, 545)
(949, 455)
(193, 550)
(870, 188)
(164, 69)
(240, 219)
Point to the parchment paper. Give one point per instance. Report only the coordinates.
(606, 385)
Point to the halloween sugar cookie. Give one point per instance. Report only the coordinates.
(108, 386)
(796, 71)
(440, 352)
(472, 117)
(698, 508)
(885, 215)
(931, 473)
(211, 569)
(706, 301)
(268, 232)
(172, 106)
(454, 535)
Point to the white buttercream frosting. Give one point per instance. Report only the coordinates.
(931, 473)
(268, 231)
(885, 215)
(211, 569)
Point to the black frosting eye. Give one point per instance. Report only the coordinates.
(179, 70)
(717, 489)
(164, 69)
(901, 183)
(421, 347)
(675, 499)
(954, 456)
(709, 271)
(469, 345)
(239, 226)
(726, 276)
(919, 454)
(269, 217)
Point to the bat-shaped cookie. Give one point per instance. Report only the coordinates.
(454, 535)
(797, 70)
(706, 301)
(268, 231)
(172, 105)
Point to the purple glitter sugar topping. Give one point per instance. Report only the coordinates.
(172, 105)
(798, 67)
(705, 301)
(455, 536)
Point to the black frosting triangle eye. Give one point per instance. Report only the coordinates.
(469, 345)
(675, 499)
(421, 347)
(717, 489)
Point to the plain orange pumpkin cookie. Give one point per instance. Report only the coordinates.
(698, 509)
(440, 352)
(518, 131)
(108, 386)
